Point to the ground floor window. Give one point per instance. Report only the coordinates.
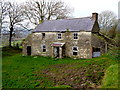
(75, 50)
(43, 48)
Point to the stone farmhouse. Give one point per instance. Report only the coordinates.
(75, 38)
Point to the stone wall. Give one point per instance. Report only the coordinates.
(83, 43)
(98, 42)
(27, 42)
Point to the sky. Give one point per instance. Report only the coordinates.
(83, 8)
(119, 10)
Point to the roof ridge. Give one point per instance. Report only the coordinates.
(70, 18)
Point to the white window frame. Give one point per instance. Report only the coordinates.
(59, 37)
(75, 50)
(75, 36)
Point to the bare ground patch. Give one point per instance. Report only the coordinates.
(81, 77)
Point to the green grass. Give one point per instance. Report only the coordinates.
(40, 72)
(111, 77)
(13, 43)
(6, 51)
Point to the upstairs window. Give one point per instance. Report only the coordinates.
(75, 50)
(59, 36)
(43, 35)
(44, 48)
(75, 35)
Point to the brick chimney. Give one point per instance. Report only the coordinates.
(95, 16)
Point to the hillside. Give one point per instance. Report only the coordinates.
(46, 72)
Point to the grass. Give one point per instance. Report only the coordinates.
(13, 43)
(6, 51)
(46, 72)
(111, 77)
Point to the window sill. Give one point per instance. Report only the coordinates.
(60, 39)
(75, 39)
(43, 52)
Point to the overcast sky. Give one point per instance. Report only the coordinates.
(83, 8)
(119, 10)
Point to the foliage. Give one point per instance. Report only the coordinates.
(110, 79)
(17, 44)
(107, 19)
(3, 12)
(37, 11)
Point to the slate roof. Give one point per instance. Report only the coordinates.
(62, 25)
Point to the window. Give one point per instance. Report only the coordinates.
(75, 50)
(59, 36)
(43, 35)
(44, 48)
(75, 36)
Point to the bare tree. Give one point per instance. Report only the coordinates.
(3, 12)
(107, 19)
(112, 32)
(39, 10)
(15, 16)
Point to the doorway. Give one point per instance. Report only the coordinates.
(56, 52)
(96, 52)
(28, 50)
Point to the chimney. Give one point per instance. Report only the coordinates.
(95, 16)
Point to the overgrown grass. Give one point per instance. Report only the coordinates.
(40, 72)
(111, 77)
(7, 51)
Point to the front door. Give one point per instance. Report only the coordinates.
(28, 50)
(56, 52)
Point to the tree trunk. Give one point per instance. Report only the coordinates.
(10, 38)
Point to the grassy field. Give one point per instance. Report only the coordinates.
(13, 43)
(45, 72)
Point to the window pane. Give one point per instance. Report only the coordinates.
(44, 50)
(59, 36)
(74, 53)
(75, 48)
(75, 36)
(43, 35)
(44, 46)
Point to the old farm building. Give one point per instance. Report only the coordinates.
(76, 38)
